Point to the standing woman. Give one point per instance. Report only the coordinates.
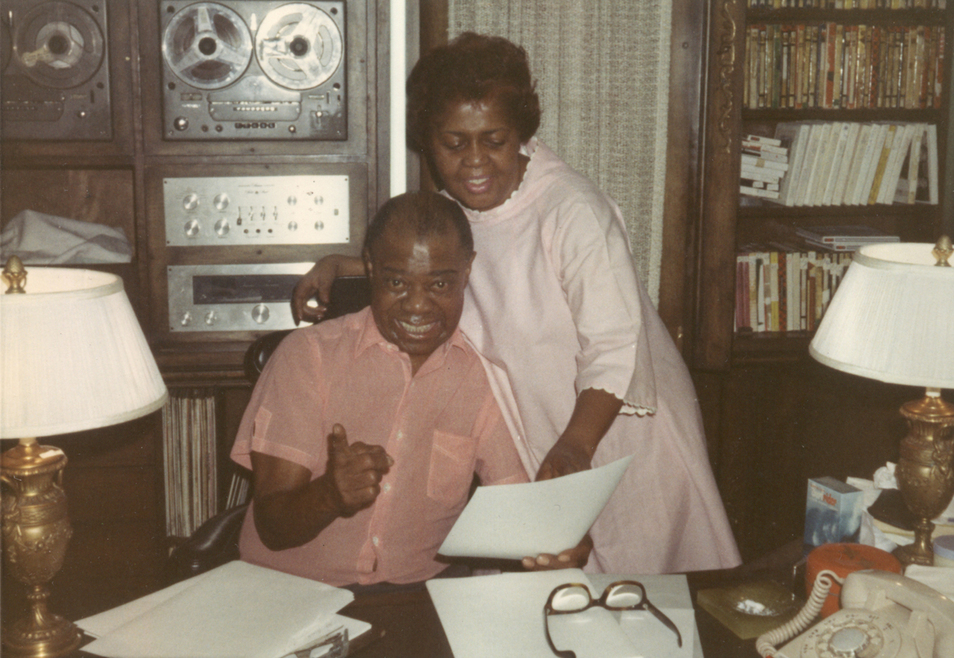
(578, 357)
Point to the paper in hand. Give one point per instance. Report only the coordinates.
(513, 521)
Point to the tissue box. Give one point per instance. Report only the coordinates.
(832, 512)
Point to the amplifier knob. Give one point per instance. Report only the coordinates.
(180, 123)
(190, 201)
(293, 225)
(191, 228)
(211, 317)
(221, 201)
(186, 319)
(260, 313)
(292, 200)
(319, 225)
(222, 228)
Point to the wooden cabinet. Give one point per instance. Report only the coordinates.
(775, 417)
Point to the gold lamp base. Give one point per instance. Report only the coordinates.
(36, 531)
(924, 473)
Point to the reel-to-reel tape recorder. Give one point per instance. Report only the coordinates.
(254, 69)
(55, 70)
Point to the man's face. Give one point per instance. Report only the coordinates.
(417, 289)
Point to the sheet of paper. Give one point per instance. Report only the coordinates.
(512, 521)
(502, 616)
(238, 610)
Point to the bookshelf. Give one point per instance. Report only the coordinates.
(836, 71)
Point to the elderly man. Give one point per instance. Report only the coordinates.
(364, 432)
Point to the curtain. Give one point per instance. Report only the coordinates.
(602, 71)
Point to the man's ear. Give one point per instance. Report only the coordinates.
(470, 262)
(366, 257)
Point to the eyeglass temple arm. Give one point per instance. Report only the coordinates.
(658, 614)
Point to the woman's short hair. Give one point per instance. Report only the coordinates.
(426, 213)
(470, 68)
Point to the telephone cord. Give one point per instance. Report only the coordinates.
(765, 644)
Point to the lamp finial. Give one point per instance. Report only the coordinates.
(14, 275)
(942, 251)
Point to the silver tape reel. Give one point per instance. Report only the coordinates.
(298, 46)
(207, 45)
(58, 44)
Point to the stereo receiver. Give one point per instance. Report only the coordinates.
(234, 297)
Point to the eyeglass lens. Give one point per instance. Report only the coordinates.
(623, 596)
(572, 598)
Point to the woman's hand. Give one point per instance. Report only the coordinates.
(571, 558)
(564, 458)
(316, 284)
(593, 414)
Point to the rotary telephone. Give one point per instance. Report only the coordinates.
(883, 615)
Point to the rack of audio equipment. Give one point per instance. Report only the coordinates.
(158, 64)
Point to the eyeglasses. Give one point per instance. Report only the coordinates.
(571, 598)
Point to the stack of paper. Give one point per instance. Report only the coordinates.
(238, 610)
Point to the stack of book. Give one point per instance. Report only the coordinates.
(851, 163)
(785, 288)
(843, 238)
(764, 164)
(839, 66)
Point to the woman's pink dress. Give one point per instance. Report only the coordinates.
(555, 307)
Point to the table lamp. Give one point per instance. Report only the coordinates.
(892, 319)
(72, 357)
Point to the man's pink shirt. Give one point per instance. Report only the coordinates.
(440, 426)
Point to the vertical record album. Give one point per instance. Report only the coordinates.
(54, 70)
(259, 69)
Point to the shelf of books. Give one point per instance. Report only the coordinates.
(844, 112)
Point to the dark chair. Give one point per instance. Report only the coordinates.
(215, 542)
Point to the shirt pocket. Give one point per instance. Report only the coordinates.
(452, 468)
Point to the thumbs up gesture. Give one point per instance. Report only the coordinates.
(356, 471)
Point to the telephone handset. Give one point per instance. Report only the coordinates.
(883, 615)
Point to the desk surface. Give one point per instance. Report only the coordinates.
(412, 628)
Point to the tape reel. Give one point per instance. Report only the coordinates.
(207, 45)
(298, 46)
(58, 44)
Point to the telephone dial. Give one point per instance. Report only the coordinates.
(882, 615)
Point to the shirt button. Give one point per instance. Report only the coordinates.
(400, 435)
(375, 541)
(386, 487)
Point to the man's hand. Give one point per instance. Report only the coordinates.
(571, 558)
(355, 471)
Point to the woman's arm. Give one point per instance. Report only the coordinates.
(594, 412)
(317, 281)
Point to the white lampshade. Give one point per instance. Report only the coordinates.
(72, 356)
(892, 318)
